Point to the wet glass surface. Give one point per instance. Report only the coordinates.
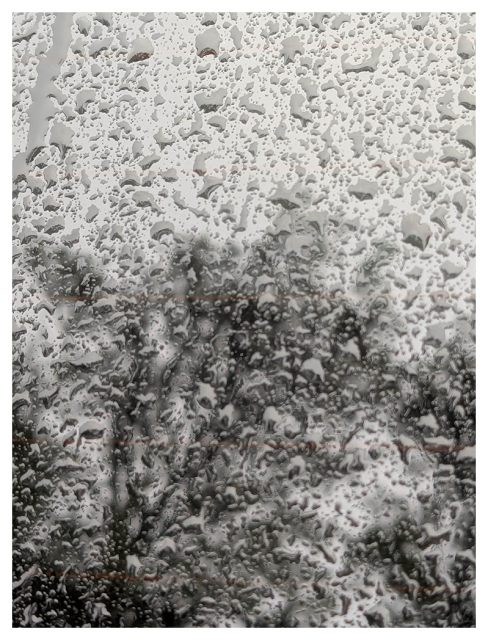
(243, 320)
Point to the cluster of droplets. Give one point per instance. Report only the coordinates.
(243, 335)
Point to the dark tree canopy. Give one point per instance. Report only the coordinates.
(231, 443)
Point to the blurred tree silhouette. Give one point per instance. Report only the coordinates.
(175, 463)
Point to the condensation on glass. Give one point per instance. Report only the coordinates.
(243, 319)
